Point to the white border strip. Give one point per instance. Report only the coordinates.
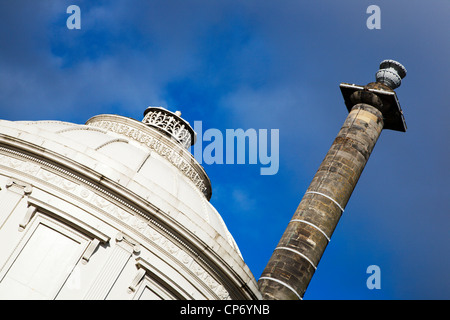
(299, 253)
(284, 284)
(314, 226)
(328, 197)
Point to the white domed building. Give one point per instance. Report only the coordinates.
(113, 209)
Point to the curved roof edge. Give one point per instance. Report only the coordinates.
(174, 153)
(57, 154)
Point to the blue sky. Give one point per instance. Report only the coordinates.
(264, 65)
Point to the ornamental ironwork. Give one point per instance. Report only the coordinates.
(171, 124)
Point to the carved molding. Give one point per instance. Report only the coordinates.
(131, 218)
(90, 250)
(31, 210)
(187, 261)
(19, 187)
(136, 280)
(177, 156)
(127, 240)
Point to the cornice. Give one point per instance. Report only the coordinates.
(155, 141)
(151, 223)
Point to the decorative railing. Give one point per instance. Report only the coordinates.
(171, 124)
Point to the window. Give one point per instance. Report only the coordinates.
(151, 290)
(43, 260)
(150, 284)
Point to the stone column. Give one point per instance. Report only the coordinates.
(298, 253)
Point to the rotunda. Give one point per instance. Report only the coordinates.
(112, 209)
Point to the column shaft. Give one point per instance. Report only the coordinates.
(297, 255)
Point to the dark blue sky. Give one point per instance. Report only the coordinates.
(264, 65)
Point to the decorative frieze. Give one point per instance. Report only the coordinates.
(186, 260)
(176, 156)
(83, 190)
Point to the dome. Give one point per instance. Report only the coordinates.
(143, 179)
